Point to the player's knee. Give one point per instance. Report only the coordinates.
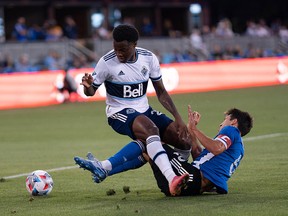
(186, 144)
(152, 130)
(145, 126)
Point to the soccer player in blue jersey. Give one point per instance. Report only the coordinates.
(125, 71)
(217, 161)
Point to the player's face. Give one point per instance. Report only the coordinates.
(227, 121)
(125, 51)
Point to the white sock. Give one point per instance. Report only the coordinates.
(158, 154)
(106, 164)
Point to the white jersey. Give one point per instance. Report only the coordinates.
(126, 83)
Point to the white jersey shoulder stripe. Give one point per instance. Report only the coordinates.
(109, 56)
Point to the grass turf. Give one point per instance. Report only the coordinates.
(49, 137)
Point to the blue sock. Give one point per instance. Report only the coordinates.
(130, 152)
(128, 165)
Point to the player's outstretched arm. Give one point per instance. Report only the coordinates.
(214, 146)
(166, 101)
(196, 146)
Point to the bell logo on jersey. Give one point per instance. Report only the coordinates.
(128, 92)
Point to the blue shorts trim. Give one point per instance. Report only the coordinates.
(122, 121)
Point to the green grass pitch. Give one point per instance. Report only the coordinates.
(49, 137)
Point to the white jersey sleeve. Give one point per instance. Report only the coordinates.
(155, 69)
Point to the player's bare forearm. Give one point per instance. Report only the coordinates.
(166, 101)
(196, 147)
(168, 104)
(214, 146)
(182, 129)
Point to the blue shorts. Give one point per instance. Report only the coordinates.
(122, 121)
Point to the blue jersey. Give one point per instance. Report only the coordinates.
(219, 168)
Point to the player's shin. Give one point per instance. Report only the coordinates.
(158, 154)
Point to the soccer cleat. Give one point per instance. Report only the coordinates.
(91, 157)
(94, 166)
(177, 184)
(96, 179)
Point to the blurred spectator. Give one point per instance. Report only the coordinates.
(177, 56)
(217, 53)
(224, 28)
(23, 64)
(129, 20)
(275, 26)
(168, 29)
(54, 32)
(283, 34)
(262, 29)
(103, 33)
(251, 51)
(8, 64)
(70, 28)
(147, 28)
(237, 52)
(189, 56)
(205, 31)
(197, 44)
(20, 30)
(251, 29)
(35, 32)
(257, 29)
(53, 61)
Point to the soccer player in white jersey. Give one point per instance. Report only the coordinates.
(125, 71)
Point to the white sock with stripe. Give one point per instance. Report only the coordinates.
(158, 154)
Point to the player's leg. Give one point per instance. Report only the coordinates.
(129, 157)
(182, 145)
(139, 126)
(162, 182)
(168, 132)
(144, 128)
(127, 165)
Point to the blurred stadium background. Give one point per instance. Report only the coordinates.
(53, 36)
(166, 22)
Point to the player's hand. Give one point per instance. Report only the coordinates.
(193, 118)
(87, 80)
(182, 129)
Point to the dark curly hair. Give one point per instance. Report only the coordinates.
(125, 32)
(245, 121)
